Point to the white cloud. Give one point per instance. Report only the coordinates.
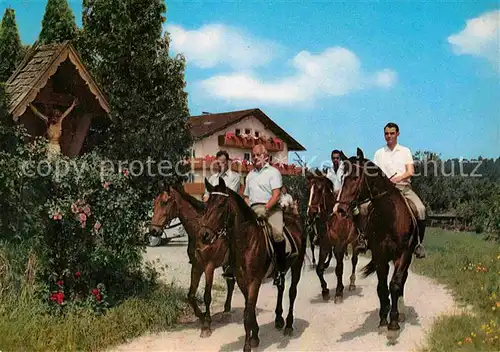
(481, 37)
(218, 44)
(334, 72)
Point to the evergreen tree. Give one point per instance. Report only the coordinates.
(11, 49)
(58, 23)
(144, 85)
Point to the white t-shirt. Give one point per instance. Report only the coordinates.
(336, 177)
(286, 200)
(259, 184)
(230, 177)
(393, 162)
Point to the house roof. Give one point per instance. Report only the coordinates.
(205, 125)
(37, 67)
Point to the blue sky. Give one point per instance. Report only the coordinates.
(333, 74)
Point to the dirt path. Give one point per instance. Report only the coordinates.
(319, 326)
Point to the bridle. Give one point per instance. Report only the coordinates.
(355, 203)
(224, 230)
(162, 226)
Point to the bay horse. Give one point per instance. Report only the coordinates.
(390, 230)
(173, 203)
(230, 218)
(340, 232)
(318, 212)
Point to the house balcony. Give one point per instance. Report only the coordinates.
(242, 167)
(233, 141)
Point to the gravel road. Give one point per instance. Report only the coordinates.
(319, 325)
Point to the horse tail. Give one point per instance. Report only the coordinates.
(369, 269)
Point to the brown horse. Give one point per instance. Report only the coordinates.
(340, 232)
(390, 230)
(229, 217)
(319, 210)
(176, 203)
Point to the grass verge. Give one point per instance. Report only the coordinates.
(27, 325)
(470, 267)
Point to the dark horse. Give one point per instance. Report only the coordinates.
(229, 217)
(391, 232)
(175, 203)
(340, 232)
(318, 212)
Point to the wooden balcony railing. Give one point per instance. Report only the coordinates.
(249, 143)
(243, 167)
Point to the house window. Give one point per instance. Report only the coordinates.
(237, 132)
(246, 156)
(256, 134)
(247, 131)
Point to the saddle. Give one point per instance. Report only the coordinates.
(291, 248)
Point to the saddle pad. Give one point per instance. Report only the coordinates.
(291, 248)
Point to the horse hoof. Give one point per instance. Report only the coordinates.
(392, 335)
(402, 317)
(352, 287)
(382, 329)
(254, 342)
(279, 323)
(247, 348)
(326, 295)
(338, 299)
(205, 333)
(288, 331)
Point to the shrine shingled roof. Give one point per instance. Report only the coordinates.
(37, 67)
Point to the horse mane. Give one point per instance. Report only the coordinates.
(247, 212)
(198, 205)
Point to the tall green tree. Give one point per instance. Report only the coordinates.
(144, 84)
(10, 45)
(58, 23)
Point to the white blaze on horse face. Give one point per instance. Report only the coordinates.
(311, 192)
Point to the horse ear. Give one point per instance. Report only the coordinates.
(208, 186)
(360, 154)
(343, 157)
(222, 183)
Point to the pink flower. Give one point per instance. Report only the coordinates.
(78, 274)
(57, 216)
(74, 208)
(106, 185)
(125, 172)
(83, 217)
(86, 210)
(97, 226)
(83, 224)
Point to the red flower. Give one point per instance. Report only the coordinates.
(78, 274)
(95, 291)
(98, 297)
(57, 297)
(60, 283)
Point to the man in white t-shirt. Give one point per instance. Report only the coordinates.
(396, 162)
(336, 172)
(286, 200)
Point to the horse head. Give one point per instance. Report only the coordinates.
(165, 210)
(215, 220)
(320, 188)
(358, 182)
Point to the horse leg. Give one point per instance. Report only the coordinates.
(279, 322)
(311, 241)
(401, 303)
(320, 269)
(383, 294)
(250, 318)
(196, 272)
(396, 286)
(339, 271)
(207, 321)
(292, 294)
(354, 262)
(330, 255)
(229, 297)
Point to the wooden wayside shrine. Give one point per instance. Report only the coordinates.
(52, 94)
